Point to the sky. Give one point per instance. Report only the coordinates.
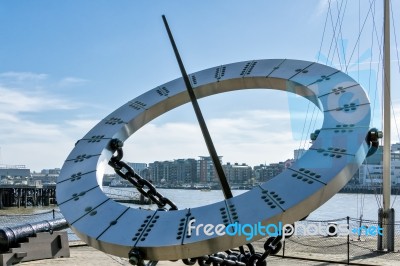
(65, 65)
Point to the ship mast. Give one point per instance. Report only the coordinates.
(386, 214)
(386, 110)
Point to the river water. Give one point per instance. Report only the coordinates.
(339, 206)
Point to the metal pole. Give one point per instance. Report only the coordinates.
(210, 146)
(386, 173)
(1, 198)
(380, 225)
(348, 240)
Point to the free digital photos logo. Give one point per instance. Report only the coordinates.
(285, 230)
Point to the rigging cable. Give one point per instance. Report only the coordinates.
(360, 210)
(378, 201)
(302, 132)
(315, 120)
(323, 34)
(334, 37)
(380, 66)
(330, 46)
(358, 46)
(379, 41)
(339, 21)
(359, 34)
(341, 35)
(398, 64)
(309, 126)
(304, 137)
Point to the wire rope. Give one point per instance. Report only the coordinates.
(359, 35)
(378, 201)
(302, 132)
(398, 64)
(323, 34)
(334, 37)
(341, 34)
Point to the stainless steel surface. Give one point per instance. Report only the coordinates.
(322, 171)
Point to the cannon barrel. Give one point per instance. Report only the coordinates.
(11, 236)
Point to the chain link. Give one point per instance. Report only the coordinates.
(230, 258)
(145, 187)
(148, 190)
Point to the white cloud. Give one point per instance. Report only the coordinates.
(37, 155)
(13, 101)
(81, 126)
(72, 82)
(39, 145)
(23, 76)
(28, 137)
(8, 118)
(31, 80)
(252, 137)
(246, 136)
(321, 8)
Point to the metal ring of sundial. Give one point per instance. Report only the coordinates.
(320, 173)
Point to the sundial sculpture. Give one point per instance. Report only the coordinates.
(321, 172)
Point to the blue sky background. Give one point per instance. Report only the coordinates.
(65, 65)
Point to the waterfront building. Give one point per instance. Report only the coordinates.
(396, 148)
(265, 172)
(14, 174)
(176, 172)
(160, 171)
(13, 171)
(46, 176)
(138, 167)
(54, 171)
(370, 172)
(238, 173)
(145, 173)
(205, 170)
(141, 169)
(297, 153)
(260, 172)
(108, 179)
(185, 171)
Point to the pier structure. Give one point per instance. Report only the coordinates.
(27, 195)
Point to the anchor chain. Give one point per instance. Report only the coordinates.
(148, 190)
(217, 259)
(144, 186)
(233, 258)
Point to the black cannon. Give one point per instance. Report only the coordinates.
(11, 236)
